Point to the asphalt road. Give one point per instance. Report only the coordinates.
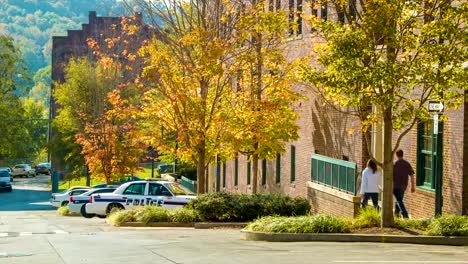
(29, 235)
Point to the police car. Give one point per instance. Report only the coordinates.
(140, 193)
(61, 199)
(77, 203)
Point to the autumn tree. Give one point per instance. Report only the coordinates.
(188, 76)
(262, 115)
(394, 56)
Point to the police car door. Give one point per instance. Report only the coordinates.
(134, 195)
(160, 194)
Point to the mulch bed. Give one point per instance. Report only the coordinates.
(386, 231)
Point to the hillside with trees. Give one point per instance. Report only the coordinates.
(32, 23)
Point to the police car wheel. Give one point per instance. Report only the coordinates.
(84, 214)
(64, 203)
(113, 208)
(101, 216)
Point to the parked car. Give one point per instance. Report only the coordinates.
(77, 203)
(9, 171)
(23, 170)
(62, 198)
(139, 193)
(127, 178)
(43, 168)
(104, 185)
(5, 181)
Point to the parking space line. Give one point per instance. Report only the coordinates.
(404, 261)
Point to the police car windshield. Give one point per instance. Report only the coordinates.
(178, 189)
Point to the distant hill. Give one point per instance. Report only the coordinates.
(32, 23)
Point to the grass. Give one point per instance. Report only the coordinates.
(64, 211)
(319, 223)
(417, 224)
(368, 217)
(153, 214)
(449, 225)
(66, 184)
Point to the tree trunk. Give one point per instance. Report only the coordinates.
(88, 177)
(387, 201)
(201, 170)
(255, 170)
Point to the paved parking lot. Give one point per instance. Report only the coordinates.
(40, 236)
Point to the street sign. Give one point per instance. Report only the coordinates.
(435, 107)
(436, 124)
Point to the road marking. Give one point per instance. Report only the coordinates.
(3, 234)
(403, 261)
(60, 232)
(25, 234)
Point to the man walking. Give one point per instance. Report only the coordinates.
(402, 170)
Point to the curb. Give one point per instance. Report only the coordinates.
(289, 237)
(201, 225)
(160, 224)
(209, 225)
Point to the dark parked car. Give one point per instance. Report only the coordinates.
(43, 168)
(5, 181)
(9, 171)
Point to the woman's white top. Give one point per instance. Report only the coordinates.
(371, 182)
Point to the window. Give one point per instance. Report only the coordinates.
(341, 15)
(178, 189)
(299, 17)
(236, 171)
(278, 168)
(249, 172)
(352, 9)
(293, 163)
(77, 192)
(224, 175)
(135, 189)
(278, 5)
(314, 12)
(104, 191)
(426, 154)
(264, 171)
(156, 189)
(291, 17)
(324, 11)
(271, 5)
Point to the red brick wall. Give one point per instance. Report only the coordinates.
(422, 202)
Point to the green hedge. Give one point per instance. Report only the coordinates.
(319, 223)
(449, 225)
(226, 207)
(153, 214)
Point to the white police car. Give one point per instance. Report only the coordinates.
(140, 193)
(77, 203)
(61, 199)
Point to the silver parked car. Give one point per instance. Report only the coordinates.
(23, 170)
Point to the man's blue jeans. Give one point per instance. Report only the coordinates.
(399, 204)
(374, 197)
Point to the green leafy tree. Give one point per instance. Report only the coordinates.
(393, 55)
(262, 116)
(188, 78)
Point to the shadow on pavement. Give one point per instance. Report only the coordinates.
(25, 200)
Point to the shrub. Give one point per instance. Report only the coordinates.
(247, 207)
(150, 214)
(368, 217)
(183, 215)
(118, 217)
(449, 225)
(63, 211)
(300, 224)
(418, 224)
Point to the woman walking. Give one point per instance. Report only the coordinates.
(370, 184)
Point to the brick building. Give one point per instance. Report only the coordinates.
(75, 45)
(324, 131)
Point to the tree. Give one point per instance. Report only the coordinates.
(394, 56)
(188, 76)
(263, 118)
